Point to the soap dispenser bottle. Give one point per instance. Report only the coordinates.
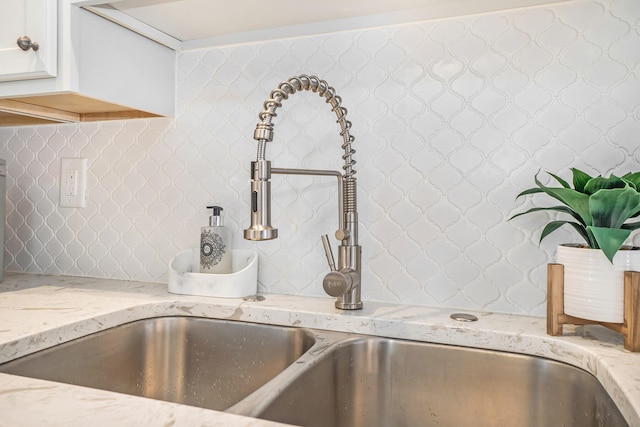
(215, 245)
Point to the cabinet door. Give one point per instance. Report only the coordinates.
(36, 19)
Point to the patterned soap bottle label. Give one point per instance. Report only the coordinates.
(212, 249)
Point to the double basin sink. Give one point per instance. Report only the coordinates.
(321, 378)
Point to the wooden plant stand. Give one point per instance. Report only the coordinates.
(556, 317)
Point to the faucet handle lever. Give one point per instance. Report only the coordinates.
(328, 252)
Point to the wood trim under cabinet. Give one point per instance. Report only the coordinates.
(10, 119)
(62, 108)
(37, 111)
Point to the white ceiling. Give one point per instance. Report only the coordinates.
(196, 19)
(196, 23)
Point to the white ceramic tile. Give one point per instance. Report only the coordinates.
(451, 118)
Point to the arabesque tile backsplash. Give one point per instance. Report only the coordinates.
(452, 119)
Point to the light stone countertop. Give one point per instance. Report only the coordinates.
(37, 312)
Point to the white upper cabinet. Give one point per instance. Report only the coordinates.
(101, 70)
(34, 23)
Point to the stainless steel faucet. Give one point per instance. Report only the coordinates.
(343, 281)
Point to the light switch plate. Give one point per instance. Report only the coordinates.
(73, 182)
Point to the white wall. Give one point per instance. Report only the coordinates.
(451, 119)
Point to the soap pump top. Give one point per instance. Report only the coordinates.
(215, 220)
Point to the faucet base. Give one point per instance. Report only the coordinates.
(348, 306)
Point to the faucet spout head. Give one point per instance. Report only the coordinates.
(260, 228)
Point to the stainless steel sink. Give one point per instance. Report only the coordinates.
(200, 362)
(322, 378)
(382, 382)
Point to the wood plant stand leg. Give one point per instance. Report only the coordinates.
(556, 317)
(631, 311)
(555, 298)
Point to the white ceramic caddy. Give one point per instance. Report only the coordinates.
(185, 278)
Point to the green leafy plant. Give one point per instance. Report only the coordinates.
(599, 207)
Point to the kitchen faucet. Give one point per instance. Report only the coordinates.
(343, 281)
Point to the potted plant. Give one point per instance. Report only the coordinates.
(598, 209)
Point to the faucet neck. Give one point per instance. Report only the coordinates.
(264, 129)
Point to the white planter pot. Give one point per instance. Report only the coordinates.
(593, 287)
